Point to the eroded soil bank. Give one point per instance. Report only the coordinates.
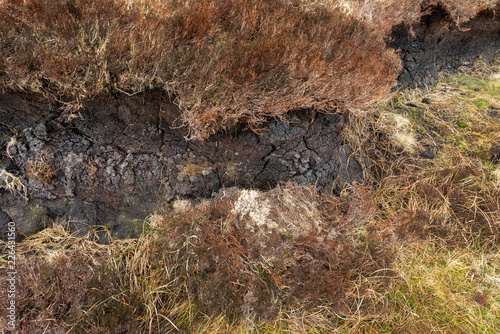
(127, 156)
(436, 44)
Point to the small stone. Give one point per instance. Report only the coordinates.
(428, 153)
(40, 131)
(495, 152)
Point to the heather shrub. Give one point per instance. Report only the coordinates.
(246, 256)
(415, 249)
(67, 284)
(224, 62)
(250, 255)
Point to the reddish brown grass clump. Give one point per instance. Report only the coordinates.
(225, 61)
(40, 169)
(246, 255)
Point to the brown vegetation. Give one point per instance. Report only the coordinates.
(40, 169)
(224, 62)
(247, 255)
(413, 250)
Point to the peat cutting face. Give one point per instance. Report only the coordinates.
(436, 44)
(125, 157)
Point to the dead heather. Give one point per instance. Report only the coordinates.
(223, 62)
(40, 169)
(415, 249)
(245, 259)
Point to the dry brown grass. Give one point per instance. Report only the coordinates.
(239, 263)
(415, 250)
(61, 279)
(453, 196)
(252, 255)
(224, 62)
(13, 183)
(40, 169)
(443, 210)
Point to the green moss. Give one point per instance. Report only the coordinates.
(477, 85)
(481, 103)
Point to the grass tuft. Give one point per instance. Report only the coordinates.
(413, 249)
(224, 62)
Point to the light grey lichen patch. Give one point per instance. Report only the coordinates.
(182, 205)
(251, 204)
(286, 210)
(71, 161)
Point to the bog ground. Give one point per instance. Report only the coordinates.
(237, 166)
